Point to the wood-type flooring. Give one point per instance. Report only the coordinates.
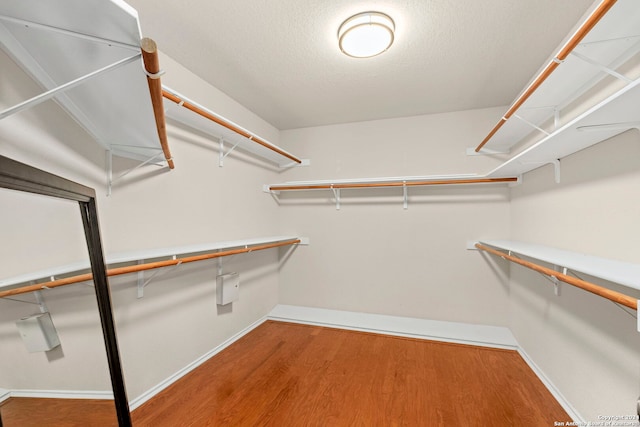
(284, 374)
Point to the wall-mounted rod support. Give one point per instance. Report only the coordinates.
(152, 66)
(142, 267)
(609, 294)
(143, 283)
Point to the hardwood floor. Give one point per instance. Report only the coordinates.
(30, 412)
(284, 374)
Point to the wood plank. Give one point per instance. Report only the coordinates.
(288, 374)
(35, 412)
(284, 374)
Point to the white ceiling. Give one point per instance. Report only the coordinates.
(280, 58)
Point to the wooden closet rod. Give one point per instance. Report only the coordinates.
(142, 267)
(152, 65)
(226, 124)
(614, 296)
(285, 187)
(584, 29)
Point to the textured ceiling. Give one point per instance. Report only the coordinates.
(280, 58)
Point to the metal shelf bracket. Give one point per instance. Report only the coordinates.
(39, 301)
(222, 154)
(111, 180)
(141, 283)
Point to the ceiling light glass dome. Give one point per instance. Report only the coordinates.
(366, 34)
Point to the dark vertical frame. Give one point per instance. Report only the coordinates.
(22, 177)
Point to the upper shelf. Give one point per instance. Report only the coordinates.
(620, 272)
(608, 38)
(184, 110)
(614, 115)
(96, 45)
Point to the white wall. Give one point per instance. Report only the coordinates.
(373, 256)
(586, 345)
(177, 321)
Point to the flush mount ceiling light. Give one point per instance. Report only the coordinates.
(366, 34)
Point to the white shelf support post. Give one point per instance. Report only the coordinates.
(336, 195)
(405, 196)
(556, 282)
(140, 281)
(109, 172)
(221, 153)
(40, 302)
(556, 170)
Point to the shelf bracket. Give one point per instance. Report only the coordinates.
(303, 162)
(336, 195)
(536, 127)
(141, 283)
(556, 167)
(57, 90)
(405, 196)
(39, 301)
(556, 281)
(471, 151)
(601, 67)
(111, 180)
(556, 170)
(223, 155)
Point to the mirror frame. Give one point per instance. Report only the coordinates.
(21, 177)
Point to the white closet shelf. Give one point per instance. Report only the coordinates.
(149, 255)
(608, 38)
(229, 134)
(616, 114)
(87, 56)
(623, 273)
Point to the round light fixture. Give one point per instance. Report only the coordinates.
(366, 34)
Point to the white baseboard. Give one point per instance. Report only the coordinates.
(144, 397)
(566, 405)
(4, 395)
(461, 333)
(62, 394)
